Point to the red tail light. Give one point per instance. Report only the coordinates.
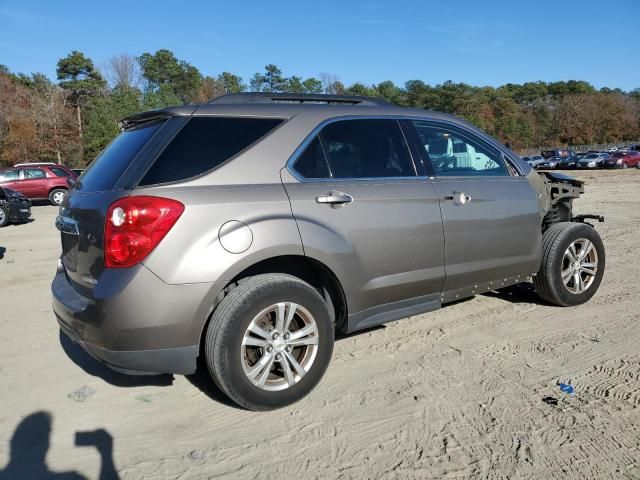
(135, 226)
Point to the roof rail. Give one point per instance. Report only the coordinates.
(25, 164)
(270, 97)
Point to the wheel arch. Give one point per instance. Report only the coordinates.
(308, 269)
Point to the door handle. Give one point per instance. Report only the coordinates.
(335, 199)
(458, 198)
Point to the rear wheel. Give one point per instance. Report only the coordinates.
(269, 341)
(56, 197)
(573, 262)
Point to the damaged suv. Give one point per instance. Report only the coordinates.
(247, 230)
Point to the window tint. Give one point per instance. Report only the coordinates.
(367, 148)
(453, 153)
(107, 168)
(59, 172)
(313, 163)
(31, 173)
(9, 175)
(203, 144)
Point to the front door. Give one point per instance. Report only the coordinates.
(490, 213)
(362, 210)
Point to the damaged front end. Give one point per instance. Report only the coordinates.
(556, 192)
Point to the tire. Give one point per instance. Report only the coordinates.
(56, 196)
(230, 362)
(4, 216)
(556, 259)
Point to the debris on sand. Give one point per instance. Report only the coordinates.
(83, 394)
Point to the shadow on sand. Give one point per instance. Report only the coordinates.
(30, 443)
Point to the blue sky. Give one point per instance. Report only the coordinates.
(477, 42)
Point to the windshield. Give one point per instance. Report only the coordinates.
(590, 156)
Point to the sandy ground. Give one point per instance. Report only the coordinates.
(455, 393)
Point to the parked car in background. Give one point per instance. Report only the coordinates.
(549, 163)
(248, 229)
(14, 207)
(534, 160)
(38, 181)
(559, 152)
(568, 162)
(592, 160)
(622, 159)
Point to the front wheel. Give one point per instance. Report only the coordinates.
(269, 341)
(572, 266)
(4, 216)
(56, 197)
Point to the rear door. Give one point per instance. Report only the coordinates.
(490, 213)
(362, 210)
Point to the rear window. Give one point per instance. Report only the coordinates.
(106, 169)
(205, 143)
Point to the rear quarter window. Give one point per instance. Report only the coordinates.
(59, 172)
(203, 144)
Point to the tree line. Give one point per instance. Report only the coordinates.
(72, 119)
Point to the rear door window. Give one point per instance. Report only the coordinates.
(373, 148)
(203, 144)
(107, 168)
(312, 163)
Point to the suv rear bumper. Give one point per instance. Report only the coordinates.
(134, 322)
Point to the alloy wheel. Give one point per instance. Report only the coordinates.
(579, 266)
(279, 346)
(58, 198)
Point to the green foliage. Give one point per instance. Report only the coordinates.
(78, 75)
(168, 78)
(231, 83)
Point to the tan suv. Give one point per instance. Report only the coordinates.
(247, 230)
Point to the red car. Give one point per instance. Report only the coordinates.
(622, 160)
(38, 181)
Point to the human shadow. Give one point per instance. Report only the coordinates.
(2, 251)
(93, 367)
(30, 443)
(519, 293)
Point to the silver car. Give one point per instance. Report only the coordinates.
(534, 161)
(592, 160)
(250, 229)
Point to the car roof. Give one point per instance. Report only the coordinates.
(287, 106)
